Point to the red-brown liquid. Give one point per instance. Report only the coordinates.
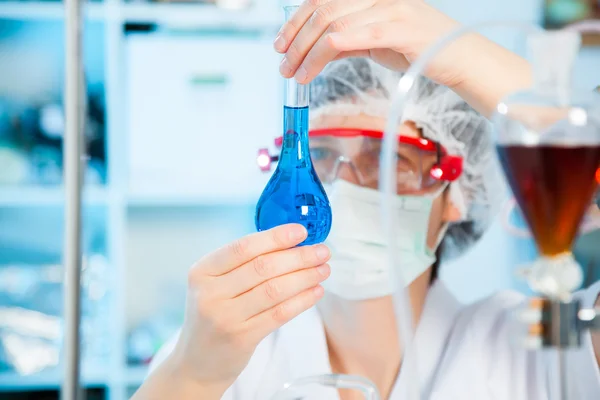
(554, 187)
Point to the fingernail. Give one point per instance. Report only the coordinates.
(279, 43)
(319, 291)
(298, 233)
(301, 74)
(284, 67)
(323, 270)
(322, 252)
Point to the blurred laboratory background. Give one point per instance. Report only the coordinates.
(181, 95)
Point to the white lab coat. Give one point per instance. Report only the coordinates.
(463, 352)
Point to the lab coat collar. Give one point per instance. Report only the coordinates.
(437, 320)
(304, 342)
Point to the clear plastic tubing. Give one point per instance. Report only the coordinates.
(387, 186)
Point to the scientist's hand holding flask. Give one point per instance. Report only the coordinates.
(237, 296)
(392, 33)
(395, 33)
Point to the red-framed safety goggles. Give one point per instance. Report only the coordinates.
(422, 165)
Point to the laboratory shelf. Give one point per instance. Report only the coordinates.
(121, 213)
(174, 14)
(50, 379)
(200, 15)
(31, 196)
(44, 10)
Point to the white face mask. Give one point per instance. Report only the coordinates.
(360, 267)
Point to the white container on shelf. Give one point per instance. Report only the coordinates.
(198, 110)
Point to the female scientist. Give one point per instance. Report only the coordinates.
(261, 312)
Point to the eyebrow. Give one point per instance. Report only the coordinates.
(405, 156)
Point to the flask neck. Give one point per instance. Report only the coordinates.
(295, 94)
(553, 58)
(295, 148)
(553, 83)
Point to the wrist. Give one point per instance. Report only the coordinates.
(465, 63)
(167, 382)
(488, 73)
(189, 384)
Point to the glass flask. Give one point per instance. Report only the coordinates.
(548, 143)
(294, 194)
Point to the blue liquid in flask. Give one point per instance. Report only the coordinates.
(294, 194)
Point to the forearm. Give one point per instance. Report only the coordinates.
(491, 72)
(168, 381)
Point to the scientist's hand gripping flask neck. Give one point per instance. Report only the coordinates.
(294, 194)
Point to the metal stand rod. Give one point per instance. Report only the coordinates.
(562, 374)
(72, 155)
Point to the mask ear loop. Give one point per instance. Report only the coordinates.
(441, 236)
(446, 225)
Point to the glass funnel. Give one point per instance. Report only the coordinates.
(548, 143)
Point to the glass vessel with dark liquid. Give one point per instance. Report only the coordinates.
(553, 186)
(551, 158)
(554, 175)
(548, 142)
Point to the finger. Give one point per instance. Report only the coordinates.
(277, 290)
(268, 321)
(325, 50)
(292, 26)
(329, 17)
(388, 58)
(269, 266)
(351, 54)
(378, 35)
(249, 247)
